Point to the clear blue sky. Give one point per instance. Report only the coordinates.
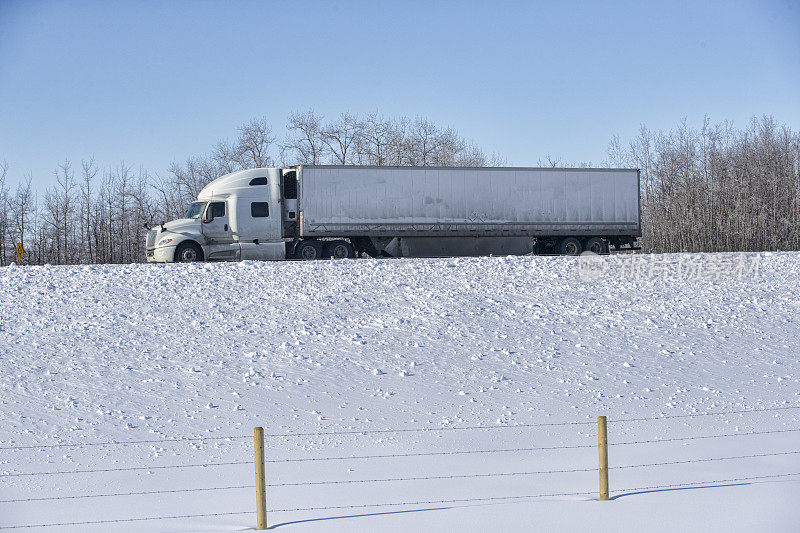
(153, 82)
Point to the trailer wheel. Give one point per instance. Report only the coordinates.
(570, 246)
(308, 250)
(596, 245)
(339, 250)
(188, 252)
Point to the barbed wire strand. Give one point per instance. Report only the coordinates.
(529, 473)
(701, 437)
(124, 469)
(431, 502)
(529, 496)
(305, 434)
(692, 415)
(119, 520)
(510, 450)
(427, 478)
(396, 455)
(414, 478)
(706, 460)
(110, 494)
(300, 460)
(123, 442)
(382, 431)
(426, 454)
(400, 504)
(423, 429)
(731, 480)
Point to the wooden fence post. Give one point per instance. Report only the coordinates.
(602, 444)
(261, 495)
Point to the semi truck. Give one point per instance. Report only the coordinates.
(312, 212)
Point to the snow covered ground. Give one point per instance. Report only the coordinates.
(92, 354)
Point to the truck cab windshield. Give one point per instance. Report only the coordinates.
(195, 210)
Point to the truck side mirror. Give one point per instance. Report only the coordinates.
(208, 216)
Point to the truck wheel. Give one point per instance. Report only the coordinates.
(308, 250)
(596, 245)
(569, 246)
(339, 250)
(188, 252)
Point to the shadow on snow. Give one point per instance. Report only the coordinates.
(677, 488)
(357, 516)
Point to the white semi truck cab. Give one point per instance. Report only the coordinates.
(313, 212)
(238, 216)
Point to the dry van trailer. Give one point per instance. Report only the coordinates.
(430, 211)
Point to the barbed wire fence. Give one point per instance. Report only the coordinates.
(410, 478)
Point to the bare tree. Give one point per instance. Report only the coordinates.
(399, 144)
(226, 155)
(305, 144)
(716, 188)
(423, 142)
(60, 208)
(550, 161)
(471, 155)
(254, 143)
(187, 181)
(374, 140)
(88, 172)
(21, 210)
(5, 225)
(341, 137)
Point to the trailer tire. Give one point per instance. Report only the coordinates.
(596, 245)
(570, 246)
(339, 250)
(188, 252)
(308, 250)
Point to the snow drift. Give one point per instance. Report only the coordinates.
(94, 354)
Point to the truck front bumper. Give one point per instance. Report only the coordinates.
(162, 254)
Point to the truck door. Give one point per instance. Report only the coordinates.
(259, 228)
(216, 225)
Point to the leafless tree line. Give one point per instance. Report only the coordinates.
(717, 188)
(710, 189)
(377, 140)
(82, 218)
(93, 215)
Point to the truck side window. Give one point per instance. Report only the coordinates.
(259, 209)
(290, 185)
(218, 209)
(258, 181)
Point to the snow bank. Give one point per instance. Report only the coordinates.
(132, 352)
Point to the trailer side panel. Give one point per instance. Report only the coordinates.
(457, 202)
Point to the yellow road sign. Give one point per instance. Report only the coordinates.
(20, 251)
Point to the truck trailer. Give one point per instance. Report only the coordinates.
(313, 212)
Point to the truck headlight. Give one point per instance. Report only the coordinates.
(162, 242)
